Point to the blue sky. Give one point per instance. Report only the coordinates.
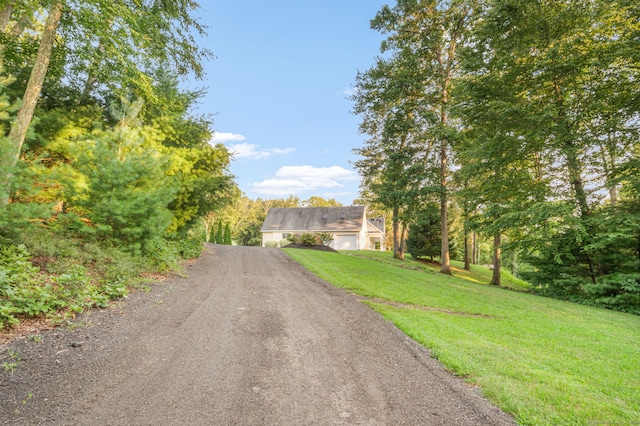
(279, 87)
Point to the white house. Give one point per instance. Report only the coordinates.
(349, 226)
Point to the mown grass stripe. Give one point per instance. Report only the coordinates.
(545, 361)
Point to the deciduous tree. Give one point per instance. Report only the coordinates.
(424, 38)
(551, 113)
(111, 44)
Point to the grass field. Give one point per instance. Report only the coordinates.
(545, 361)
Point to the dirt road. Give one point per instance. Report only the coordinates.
(250, 338)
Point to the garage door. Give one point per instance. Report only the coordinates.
(345, 242)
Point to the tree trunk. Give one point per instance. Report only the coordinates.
(613, 195)
(569, 150)
(495, 279)
(396, 233)
(445, 266)
(638, 248)
(91, 78)
(5, 15)
(575, 174)
(515, 268)
(34, 87)
(474, 249)
(403, 239)
(467, 260)
(21, 23)
(36, 80)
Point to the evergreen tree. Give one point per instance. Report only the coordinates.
(227, 234)
(424, 235)
(122, 187)
(219, 234)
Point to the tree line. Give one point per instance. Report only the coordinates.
(521, 118)
(105, 171)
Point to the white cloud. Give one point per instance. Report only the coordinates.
(222, 137)
(282, 151)
(350, 91)
(298, 179)
(250, 151)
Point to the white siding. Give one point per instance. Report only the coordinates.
(271, 236)
(345, 242)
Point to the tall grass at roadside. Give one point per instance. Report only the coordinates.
(545, 361)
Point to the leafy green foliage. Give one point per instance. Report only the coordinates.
(424, 235)
(308, 239)
(599, 270)
(123, 188)
(537, 105)
(59, 276)
(6, 109)
(166, 254)
(115, 171)
(26, 292)
(201, 169)
(325, 237)
(405, 101)
(227, 235)
(321, 202)
(106, 46)
(219, 233)
(293, 238)
(14, 360)
(285, 242)
(551, 130)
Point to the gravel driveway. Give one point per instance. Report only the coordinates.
(249, 338)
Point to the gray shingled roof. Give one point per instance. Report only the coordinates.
(375, 225)
(314, 219)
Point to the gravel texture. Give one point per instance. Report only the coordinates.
(249, 338)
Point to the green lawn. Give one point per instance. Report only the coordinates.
(545, 361)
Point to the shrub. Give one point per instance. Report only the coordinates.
(56, 276)
(284, 243)
(254, 241)
(326, 237)
(271, 244)
(294, 238)
(309, 239)
(24, 291)
(19, 285)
